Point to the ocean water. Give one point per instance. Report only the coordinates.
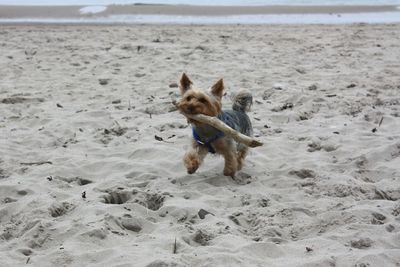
(96, 7)
(387, 17)
(204, 2)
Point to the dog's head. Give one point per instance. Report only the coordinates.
(196, 101)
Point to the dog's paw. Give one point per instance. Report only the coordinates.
(229, 172)
(192, 169)
(191, 163)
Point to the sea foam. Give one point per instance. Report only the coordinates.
(92, 9)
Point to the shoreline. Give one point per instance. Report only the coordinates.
(10, 12)
(291, 19)
(198, 15)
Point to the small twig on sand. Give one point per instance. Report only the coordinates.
(380, 194)
(380, 122)
(175, 247)
(308, 249)
(216, 123)
(158, 138)
(36, 163)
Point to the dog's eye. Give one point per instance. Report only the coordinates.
(188, 98)
(202, 100)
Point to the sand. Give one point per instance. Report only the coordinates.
(85, 182)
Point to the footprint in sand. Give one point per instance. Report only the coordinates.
(58, 209)
(126, 224)
(117, 197)
(303, 173)
(152, 201)
(9, 194)
(199, 238)
(317, 146)
(71, 180)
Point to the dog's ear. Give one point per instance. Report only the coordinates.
(218, 89)
(185, 83)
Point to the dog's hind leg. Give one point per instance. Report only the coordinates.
(241, 155)
(228, 150)
(230, 163)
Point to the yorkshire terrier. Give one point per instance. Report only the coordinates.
(206, 139)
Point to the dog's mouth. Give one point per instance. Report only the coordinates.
(187, 109)
(191, 110)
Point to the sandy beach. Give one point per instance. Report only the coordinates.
(91, 147)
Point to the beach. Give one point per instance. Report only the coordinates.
(91, 148)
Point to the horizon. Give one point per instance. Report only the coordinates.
(195, 3)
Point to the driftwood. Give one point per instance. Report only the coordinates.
(216, 123)
(36, 163)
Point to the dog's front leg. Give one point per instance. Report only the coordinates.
(194, 157)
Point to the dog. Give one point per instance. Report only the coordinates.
(207, 139)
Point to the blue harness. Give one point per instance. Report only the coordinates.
(208, 142)
(224, 118)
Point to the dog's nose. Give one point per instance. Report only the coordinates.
(190, 109)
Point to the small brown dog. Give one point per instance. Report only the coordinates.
(207, 139)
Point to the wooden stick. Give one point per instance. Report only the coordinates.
(36, 163)
(380, 122)
(216, 123)
(175, 247)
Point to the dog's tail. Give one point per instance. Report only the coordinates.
(242, 101)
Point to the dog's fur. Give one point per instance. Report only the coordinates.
(208, 139)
